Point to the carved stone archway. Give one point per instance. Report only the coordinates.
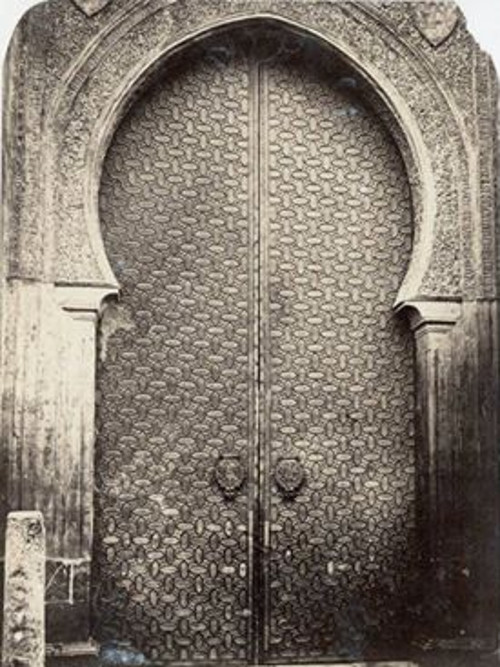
(67, 89)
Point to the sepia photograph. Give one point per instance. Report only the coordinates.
(250, 333)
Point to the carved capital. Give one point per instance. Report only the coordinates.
(431, 316)
(76, 298)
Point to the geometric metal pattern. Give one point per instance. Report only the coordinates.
(173, 569)
(257, 215)
(338, 368)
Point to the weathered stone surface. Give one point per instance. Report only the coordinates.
(24, 591)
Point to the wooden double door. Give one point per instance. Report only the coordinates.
(255, 496)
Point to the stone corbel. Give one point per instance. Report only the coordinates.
(431, 316)
(87, 299)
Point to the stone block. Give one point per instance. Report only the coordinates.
(24, 591)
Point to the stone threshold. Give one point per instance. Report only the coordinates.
(80, 653)
(72, 650)
(350, 664)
